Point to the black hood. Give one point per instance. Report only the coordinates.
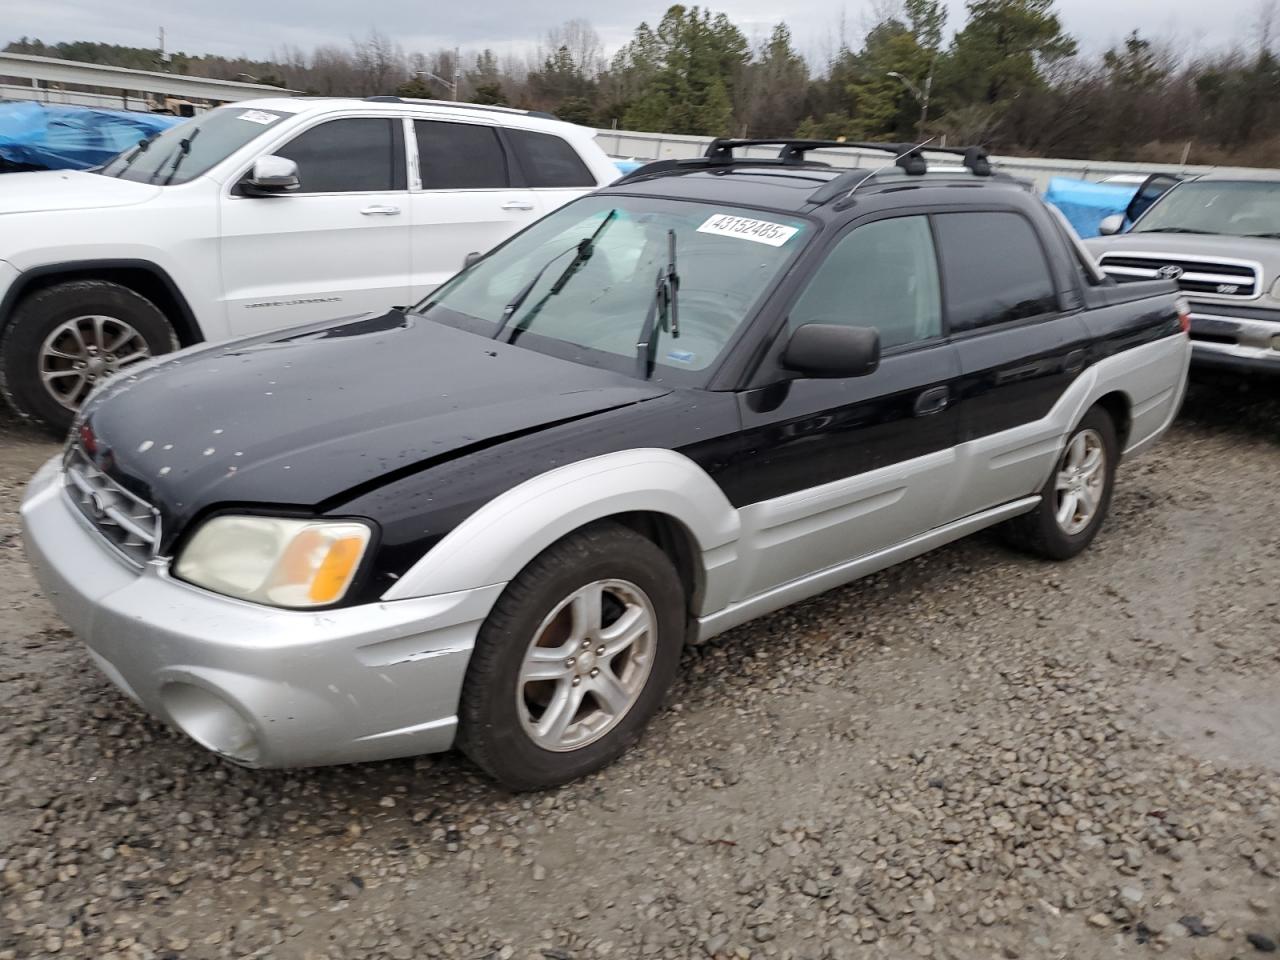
(300, 419)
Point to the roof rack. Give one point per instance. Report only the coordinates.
(909, 157)
(454, 104)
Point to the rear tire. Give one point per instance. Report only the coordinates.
(1075, 499)
(64, 340)
(555, 690)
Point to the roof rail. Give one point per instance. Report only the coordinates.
(456, 105)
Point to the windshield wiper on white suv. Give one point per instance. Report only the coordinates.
(1211, 233)
(184, 148)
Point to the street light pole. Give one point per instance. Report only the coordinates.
(921, 96)
(451, 87)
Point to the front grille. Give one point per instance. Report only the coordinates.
(128, 523)
(1206, 275)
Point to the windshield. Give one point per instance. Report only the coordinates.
(1240, 208)
(593, 301)
(184, 152)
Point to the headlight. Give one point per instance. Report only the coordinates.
(274, 560)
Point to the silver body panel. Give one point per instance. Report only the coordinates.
(383, 679)
(333, 686)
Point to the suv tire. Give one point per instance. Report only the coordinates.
(552, 650)
(102, 326)
(1075, 499)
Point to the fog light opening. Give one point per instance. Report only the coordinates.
(211, 722)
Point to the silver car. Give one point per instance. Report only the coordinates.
(1218, 237)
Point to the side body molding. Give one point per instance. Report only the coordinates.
(494, 544)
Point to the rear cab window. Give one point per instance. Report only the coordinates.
(994, 269)
(548, 161)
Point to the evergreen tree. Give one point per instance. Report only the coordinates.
(1002, 49)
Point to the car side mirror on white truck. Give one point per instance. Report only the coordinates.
(270, 176)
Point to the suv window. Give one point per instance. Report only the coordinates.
(995, 269)
(548, 161)
(352, 155)
(459, 156)
(883, 275)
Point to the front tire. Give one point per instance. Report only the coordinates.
(64, 340)
(1075, 499)
(573, 660)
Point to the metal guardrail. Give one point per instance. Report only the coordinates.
(42, 71)
(670, 146)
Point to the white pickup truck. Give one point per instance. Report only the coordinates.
(253, 216)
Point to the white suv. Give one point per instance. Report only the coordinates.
(248, 217)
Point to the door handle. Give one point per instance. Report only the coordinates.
(518, 205)
(380, 210)
(934, 400)
(1074, 362)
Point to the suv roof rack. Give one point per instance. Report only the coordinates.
(909, 157)
(454, 104)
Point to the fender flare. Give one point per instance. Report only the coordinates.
(498, 540)
(187, 327)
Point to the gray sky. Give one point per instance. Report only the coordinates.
(255, 27)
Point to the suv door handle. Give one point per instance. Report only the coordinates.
(934, 400)
(518, 205)
(380, 210)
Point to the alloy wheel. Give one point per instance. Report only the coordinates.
(82, 352)
(587, 665)
(1082, 476)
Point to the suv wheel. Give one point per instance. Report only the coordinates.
(1075, 500)
(574, 659)
(64, 340)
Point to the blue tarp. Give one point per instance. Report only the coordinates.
(1085, 203)
(56, 137)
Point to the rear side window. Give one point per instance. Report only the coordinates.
(994, 269)
(459, 156)
(548, 161)
(353, 155)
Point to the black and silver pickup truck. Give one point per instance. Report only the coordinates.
(493, 520)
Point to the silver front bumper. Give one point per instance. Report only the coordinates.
(262, 686)
(1246, 343)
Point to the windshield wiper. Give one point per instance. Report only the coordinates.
(184, 148)
(138, 151)
(664, 311)
(1211, 233)
(584, 247)
(1268, 236)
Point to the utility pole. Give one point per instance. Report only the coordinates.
(457, 70)
(164, 57)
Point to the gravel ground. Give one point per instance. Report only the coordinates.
(972, 755)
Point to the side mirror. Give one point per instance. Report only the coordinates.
(831, 351)
(1111, 225)
(471, 259)
(271, 176)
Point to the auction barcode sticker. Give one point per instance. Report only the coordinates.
(257, 116)
(761, 231)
